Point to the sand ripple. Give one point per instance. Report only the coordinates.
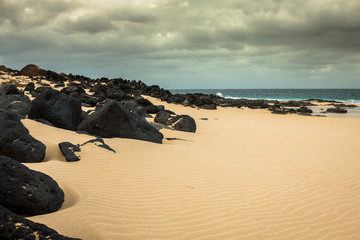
(247, 175)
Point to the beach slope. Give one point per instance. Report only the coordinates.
(245, 174)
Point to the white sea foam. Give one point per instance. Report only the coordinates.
(219, 94)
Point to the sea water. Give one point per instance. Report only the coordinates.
(341, 95)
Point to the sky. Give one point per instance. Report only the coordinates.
(189, 44)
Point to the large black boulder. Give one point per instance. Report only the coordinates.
(17, 103)
(304, 111)
(25, 191)
(58, 108)
(113, 120)
(16, 142)
(162, 117)
(8, 89)
(13, 227)
(183, 123)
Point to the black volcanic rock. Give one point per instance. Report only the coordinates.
(143, 102)
(37, 91)
(8, 89)
(68, 150)
(30, 87)
(87, 99)
(336, 110)
(208, 106)
(183, 123)
(13, 227)
(304, 110)
(178, 122)
(19, 104)
(16, 142)
(113, 120)
(132, 106)
(162, 117)
(58, 108)
(73, 89)
(55, 77)
(115, 93)
(99, 88)
(152, 109)
(25, 191)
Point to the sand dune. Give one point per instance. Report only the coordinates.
(245, 174)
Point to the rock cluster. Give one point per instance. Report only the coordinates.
(336, 110)
(183, 123)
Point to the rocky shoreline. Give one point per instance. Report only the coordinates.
(103, 108)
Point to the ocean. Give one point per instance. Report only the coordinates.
(341, 95)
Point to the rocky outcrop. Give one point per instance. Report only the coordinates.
(25, 191)
(3, 68)
(336, 110)
(73, 89)
(13, 227)
(68, 150)
(277, 109)
(113, 120)
(58, 108)
(16, 142)
(304, 111)
(32, 70)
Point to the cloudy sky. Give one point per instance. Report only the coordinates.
(189, 43)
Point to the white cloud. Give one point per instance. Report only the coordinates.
(184, 4)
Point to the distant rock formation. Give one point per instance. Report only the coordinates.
(32, 70)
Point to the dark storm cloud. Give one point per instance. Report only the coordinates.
(274, 37)
(30, 13)
(91, 25)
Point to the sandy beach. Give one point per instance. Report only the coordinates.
(245, 174)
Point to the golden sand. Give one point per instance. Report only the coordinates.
(245, 174)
